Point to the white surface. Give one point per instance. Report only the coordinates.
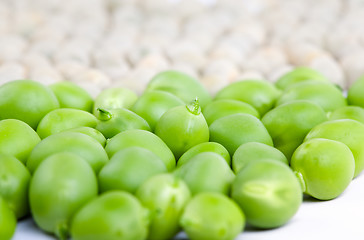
(341, 218)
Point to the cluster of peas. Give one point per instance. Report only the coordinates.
(107, 169)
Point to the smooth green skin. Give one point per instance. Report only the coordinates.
(152, 105)
(113, 215)
(206, 172)
(181, 85)
(225, 107)
(326, 95)
(64, 118)
(326, 167)
(253, 152)
(70, 95)
(114, 98)
(268, 192)
(347, 131)
(348, 112)
(17, 138)
(112, 122)
(129, 168)
(26, 100)
(91, 132)
(80, 144)
(165, 196)
(7, 221)
(234, 130)
(262, 95)
(182, 127)
(144, 139)
(355, 93)
(212, 216)
(204, 147)
(14, 184)
(289, 123)
(60, 186)
(299, 74)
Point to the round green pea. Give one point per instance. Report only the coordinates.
(348, 112)
(70, 95)
(234, 130)
(14, 184)
(183, 127)
(260, 94)
(64, 118)
(129, 168)
(355, 93)
(325, 166)
(61, 185)
(17, 138)
(113, 215)
(268, 192)
(166, 196)
(212, 216)
(26, 100)
(7, 221)
(91, 132)
(144, 139)
(253, 152)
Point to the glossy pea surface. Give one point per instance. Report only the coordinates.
(91, 132)
(348, 112)
(7, 221)
(355, 93)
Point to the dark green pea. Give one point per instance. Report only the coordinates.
(225, 107)
(129, 168)
(70, 95)
(7, 221)
(91, 132)
(165, 196)
(348, 112)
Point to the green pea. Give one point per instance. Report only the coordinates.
(153, 104)
(355, 93)
(181, 85)
(17, 138)
(348, 112)
(61, 185)
(268, 192)
(14, 184)
(260, 94)
(7, 221)
(165, 196)
(212, 216)
(253, 152)
(299, 74)
(225, 107)
(129, 168)
(64, 118)
(206, 172)
(80, 144)
(289, 123)
(347, 131)
(144, 139)
(325, 166)
(113, 98)
(91, 132)
(234, 130)
(26, 100)
(183, 127)
(70, 95)
(113, 215)
(326, 95)
(115, 121)
(204, 147)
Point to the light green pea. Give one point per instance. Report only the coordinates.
(91, 132)
(348, 112)
(7, 221)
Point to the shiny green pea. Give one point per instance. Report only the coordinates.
(355, 93)
(268, 192)
(61, 185)
(144, 139)
(165, 196)
(348, 112)
(17, 139)
(7, 221)
(14, 184)
(64, 118)
(129, 168)
(91, 132)
(113, 215)
(26, 100)
(212, 216)
(70, 95)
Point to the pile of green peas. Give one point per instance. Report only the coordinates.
(123, 166)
